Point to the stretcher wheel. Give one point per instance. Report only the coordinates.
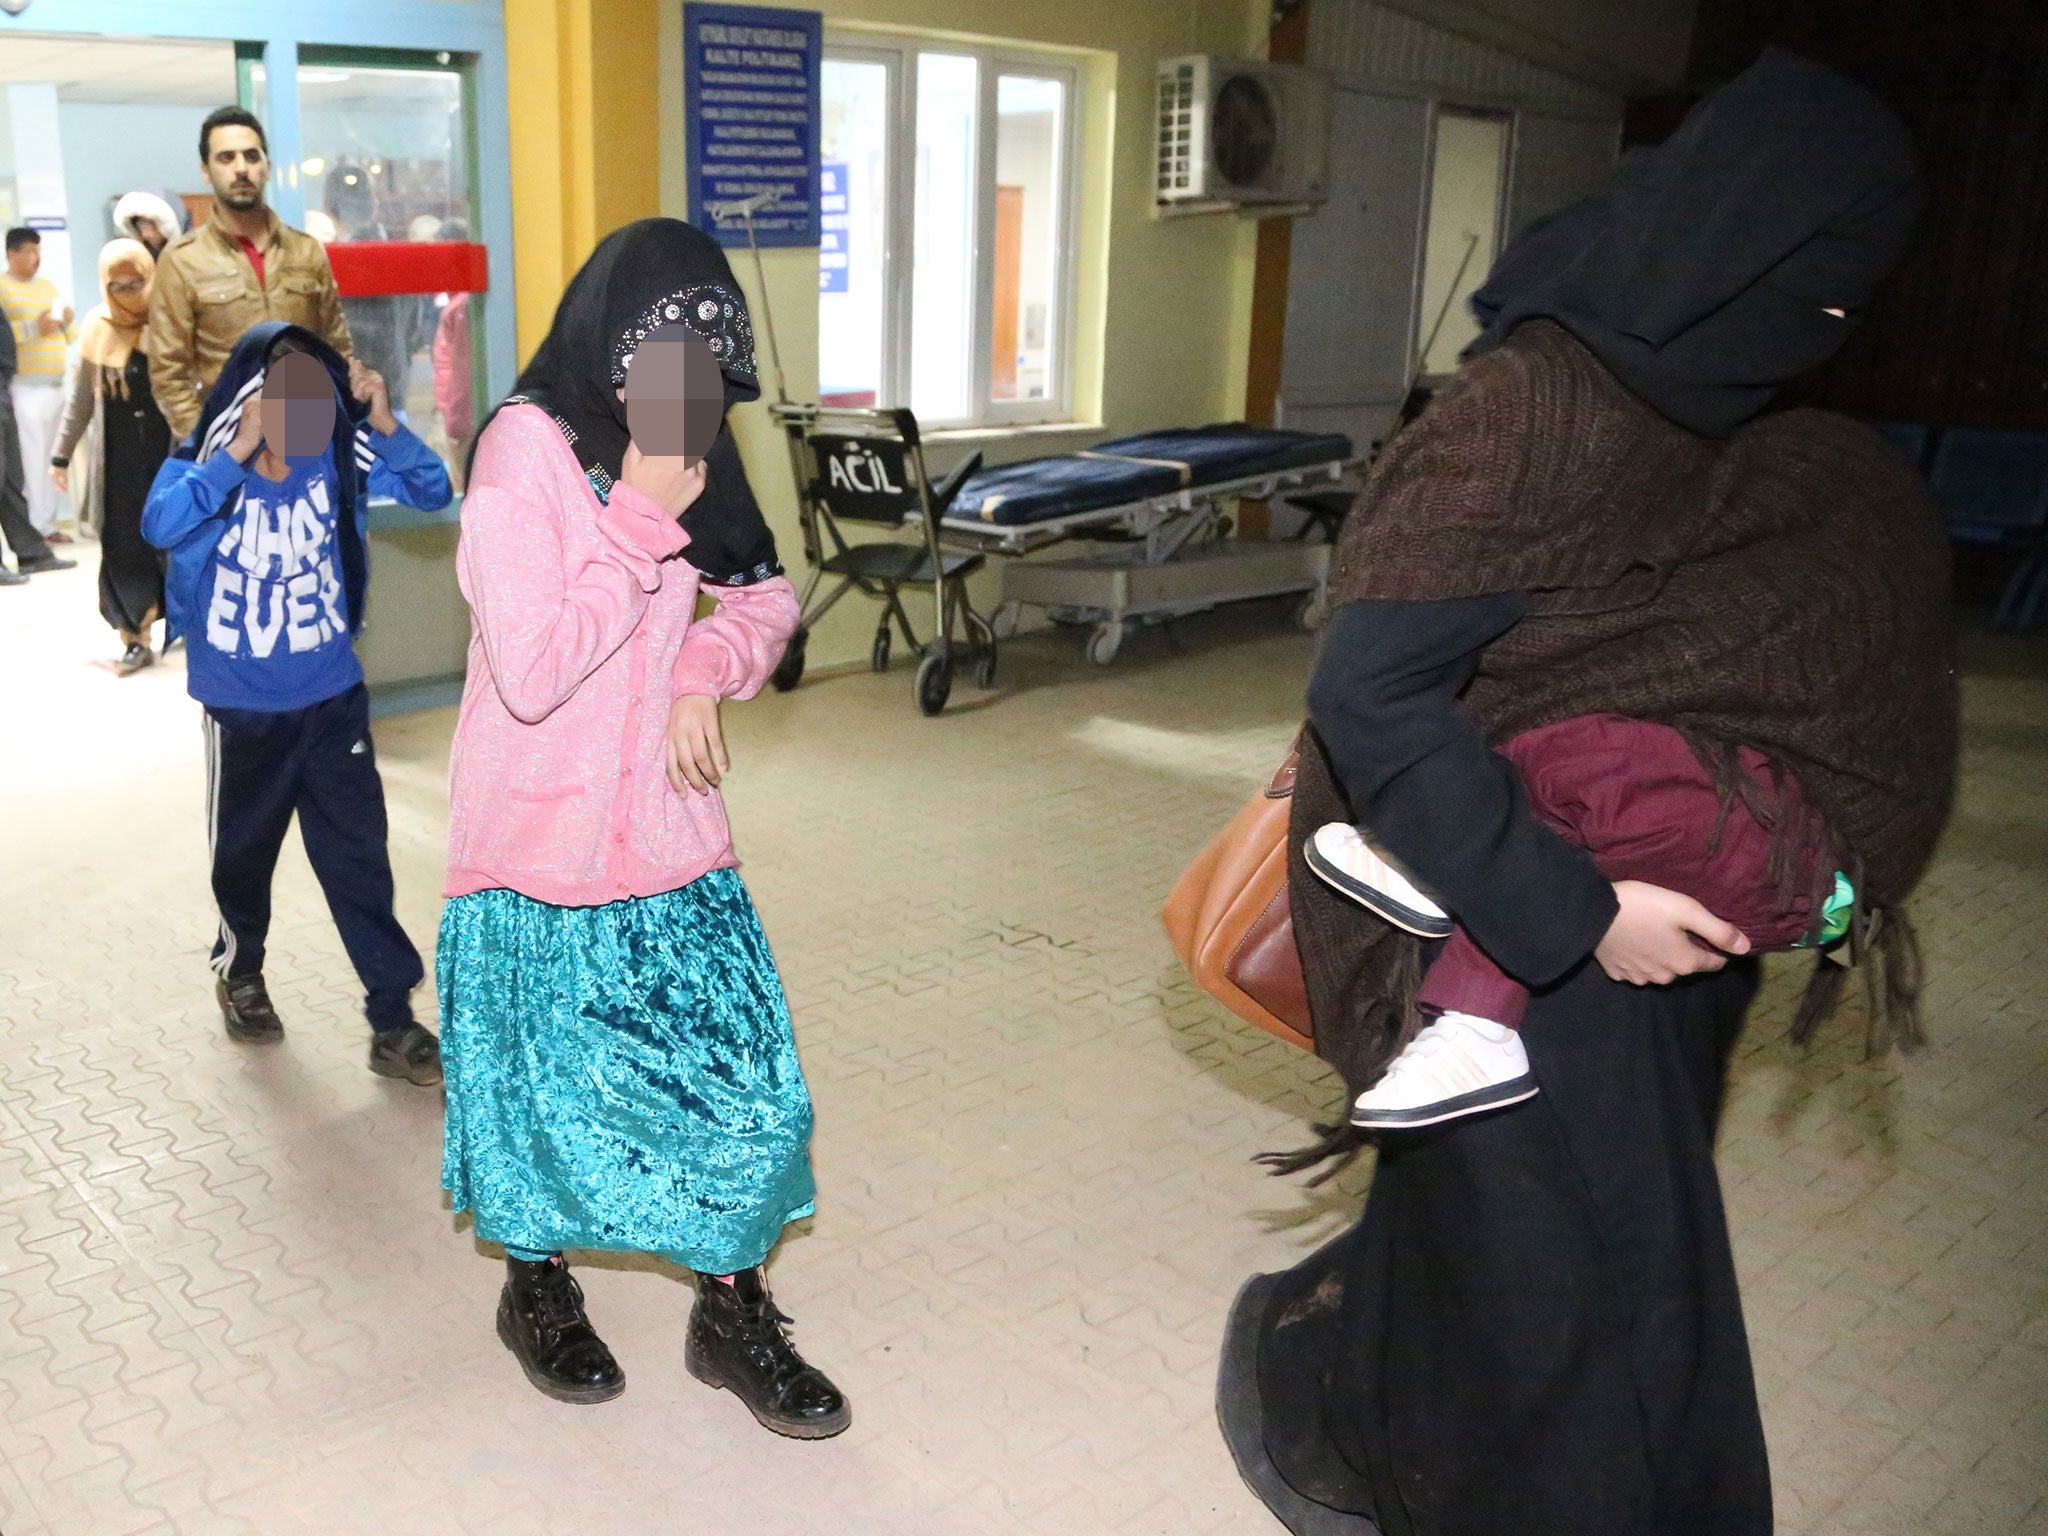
(790, 670)
(1107, 640)
(1005, 620)
(934, 682)
(878, 658)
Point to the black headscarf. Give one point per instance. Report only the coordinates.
(643, 276)
(1702, 277)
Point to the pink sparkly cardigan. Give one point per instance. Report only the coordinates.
(583, 631)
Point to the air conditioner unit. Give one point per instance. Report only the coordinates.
(1240, 133)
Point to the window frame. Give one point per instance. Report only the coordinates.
(898, 53)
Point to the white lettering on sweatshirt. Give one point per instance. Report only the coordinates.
(277, 577)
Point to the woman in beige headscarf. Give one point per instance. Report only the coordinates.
(110, 395)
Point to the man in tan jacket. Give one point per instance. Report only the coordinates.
(244, 265)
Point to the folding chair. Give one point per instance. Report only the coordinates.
(867, 466)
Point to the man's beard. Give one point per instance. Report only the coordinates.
(243, 197)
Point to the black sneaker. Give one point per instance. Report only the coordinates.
(542, 1321)
(411, 1053)
(736, 1342)
(134, 659)
(245, 1009)
(44, 564)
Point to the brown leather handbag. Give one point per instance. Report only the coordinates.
(1229, 920)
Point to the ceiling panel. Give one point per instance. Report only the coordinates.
(122, 69)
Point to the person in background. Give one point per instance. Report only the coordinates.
(41, 324)
(454, 384)
(31, 552)
(125, 440)
(263, 512)
(146, 217)
(242, 266)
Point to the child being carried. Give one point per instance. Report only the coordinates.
(1635, 796)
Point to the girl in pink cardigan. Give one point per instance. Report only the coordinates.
(620, 1067)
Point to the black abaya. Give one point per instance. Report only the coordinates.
(134, 441)
(1534, 1328)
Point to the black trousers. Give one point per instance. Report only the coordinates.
(15, 527)
(1534, 1328)
(319, 762)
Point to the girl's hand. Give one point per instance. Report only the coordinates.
(60, 477)
(1650, 941)
(695, 758)
(671, 481)
(249, 435)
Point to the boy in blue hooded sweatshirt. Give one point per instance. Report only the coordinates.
(264, 513)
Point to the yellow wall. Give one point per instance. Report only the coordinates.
(583, 89)
(1164, 305)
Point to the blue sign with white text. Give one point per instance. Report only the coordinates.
(750, 82)
(832, 250)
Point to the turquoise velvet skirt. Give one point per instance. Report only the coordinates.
(622, 1076)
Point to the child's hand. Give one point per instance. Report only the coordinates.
(248, 436)
(1651, 940)
(368, 386)
(696, 756)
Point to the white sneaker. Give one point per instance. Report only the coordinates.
(1341, 855)
(1459, 1065)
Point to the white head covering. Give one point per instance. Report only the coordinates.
(149, 208)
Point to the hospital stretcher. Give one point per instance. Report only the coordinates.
(1157, 504)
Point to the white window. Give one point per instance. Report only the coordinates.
(946, 273)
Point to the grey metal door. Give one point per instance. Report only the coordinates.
(1352, 280)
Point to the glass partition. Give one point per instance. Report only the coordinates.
(386, 156)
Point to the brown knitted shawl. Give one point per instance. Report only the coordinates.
(1785, 588)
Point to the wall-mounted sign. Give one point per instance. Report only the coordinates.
(750, 83)
(832, 215)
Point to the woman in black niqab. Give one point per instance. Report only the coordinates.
(1733, 257)
(1535, 1325)
(643, 276)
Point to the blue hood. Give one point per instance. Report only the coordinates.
(237, 389)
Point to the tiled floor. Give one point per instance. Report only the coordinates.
(232, 1298)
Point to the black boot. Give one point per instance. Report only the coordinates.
(245, 1009)
(736, 1341)
(542, 1321)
